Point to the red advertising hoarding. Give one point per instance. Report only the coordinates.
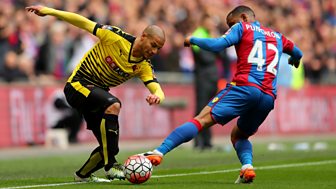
(24, 115)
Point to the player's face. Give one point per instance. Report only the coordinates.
(151, 46)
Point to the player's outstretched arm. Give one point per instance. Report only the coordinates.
(157, 95)
(72, 18)
(231, 37)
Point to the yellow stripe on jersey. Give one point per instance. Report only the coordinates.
(80, 88)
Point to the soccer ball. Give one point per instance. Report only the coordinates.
(138, 169)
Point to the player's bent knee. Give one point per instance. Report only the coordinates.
(113, 108)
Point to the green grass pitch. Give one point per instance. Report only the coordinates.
(185, 168)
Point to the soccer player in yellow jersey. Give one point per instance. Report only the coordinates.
(116, 58)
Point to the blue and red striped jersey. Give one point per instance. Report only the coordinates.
(258, 50)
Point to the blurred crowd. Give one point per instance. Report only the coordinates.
(45, 49)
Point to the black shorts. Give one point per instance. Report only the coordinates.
(90, 100)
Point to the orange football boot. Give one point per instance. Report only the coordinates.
(155, 157)
(246, 176)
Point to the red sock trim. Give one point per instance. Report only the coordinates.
(197, 123)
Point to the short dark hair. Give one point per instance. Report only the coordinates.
(241, 9)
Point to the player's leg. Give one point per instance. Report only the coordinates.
(105, 126)
(96, 160)
(181, 134)
(76, 95)
(242, 145)
(244, 152)
(187, 131)
(100, 110)
(247, 125)
(94, 163)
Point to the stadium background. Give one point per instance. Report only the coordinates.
(37, 54)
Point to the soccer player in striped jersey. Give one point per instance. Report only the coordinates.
(116, 58)
(251, 94)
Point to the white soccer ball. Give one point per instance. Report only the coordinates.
(138, 169)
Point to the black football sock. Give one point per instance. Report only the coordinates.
(109, 129)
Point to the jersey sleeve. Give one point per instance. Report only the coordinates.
(72, 18)
(108, 34)
(148, 78)
(231, 37)
(290, 48)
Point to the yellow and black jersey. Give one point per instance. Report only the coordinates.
(110, 63)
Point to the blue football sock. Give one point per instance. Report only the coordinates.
(181, 134)
(244, 151)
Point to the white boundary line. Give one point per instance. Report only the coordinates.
(256, 168)
(43, 185)
(196, 173)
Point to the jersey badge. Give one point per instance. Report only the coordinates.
(215, 100)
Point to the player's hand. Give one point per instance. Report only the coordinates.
(36, 9)
(153, 99)
(187, 41)
(294, 62)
